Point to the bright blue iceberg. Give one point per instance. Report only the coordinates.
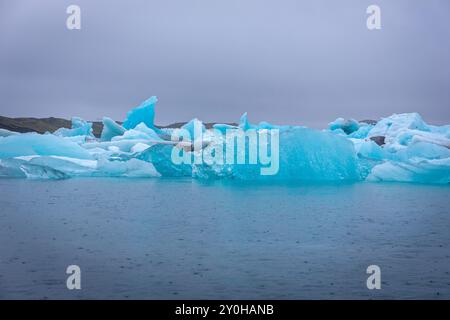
(111, 129)
(400, 148)
(79, 128)
(144, 113)
(29, 144)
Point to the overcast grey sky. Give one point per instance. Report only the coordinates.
(284, 61)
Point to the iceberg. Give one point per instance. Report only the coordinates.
(79, 128)
(244, 124)
(399, 148)
(191, 125)
(131, 168)
(160, 156)
(304, 155)
(350, 128)
(419, 171)
(18, 168)
(28, 144)
(347, 126)
(141, 131)
(144, 113)
(397, 123)
(111, 129)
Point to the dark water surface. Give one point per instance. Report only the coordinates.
(184, 239)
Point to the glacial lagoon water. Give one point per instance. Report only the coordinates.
(190, 239)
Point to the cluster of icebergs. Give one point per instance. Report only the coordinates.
(401, 147)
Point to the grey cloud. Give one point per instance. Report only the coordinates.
(297, 62)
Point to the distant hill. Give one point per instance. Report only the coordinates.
(42, 125)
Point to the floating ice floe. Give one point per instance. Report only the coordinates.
(401, 147)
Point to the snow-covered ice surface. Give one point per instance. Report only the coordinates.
(401, 147)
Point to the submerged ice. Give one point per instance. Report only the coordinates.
(401, 147)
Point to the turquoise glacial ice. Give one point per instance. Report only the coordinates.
(33, 144)
(144, 113)
(111, 129)
(401, 148)
(79, 128)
